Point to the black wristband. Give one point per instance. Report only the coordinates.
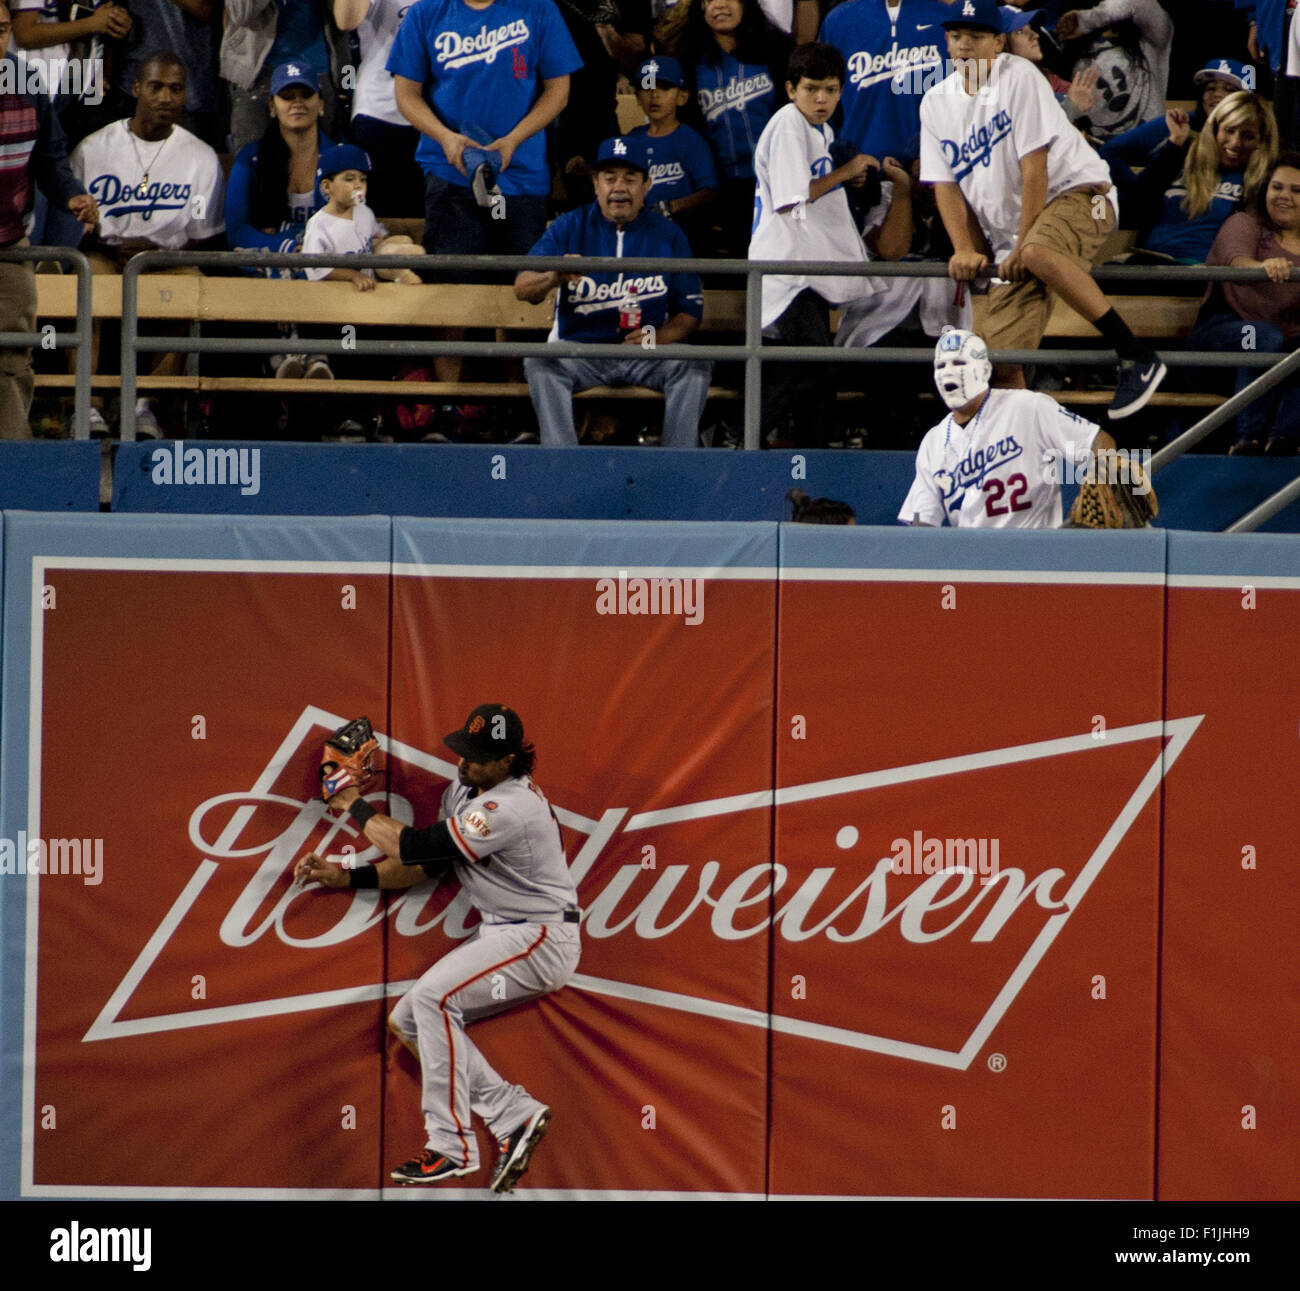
(361, 811)
(366, 876)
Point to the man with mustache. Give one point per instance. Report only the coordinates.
(638, 310)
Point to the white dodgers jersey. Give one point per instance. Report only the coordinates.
(1003, 469)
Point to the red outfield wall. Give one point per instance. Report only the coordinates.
(778, 993)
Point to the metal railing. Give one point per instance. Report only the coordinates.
(50, 338)
(751, 352)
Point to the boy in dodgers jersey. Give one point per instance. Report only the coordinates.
(801, 212)
(497, 833)
(683, 176)
(997, 460)
(1019, 189)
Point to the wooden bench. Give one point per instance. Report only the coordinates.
(262, 301)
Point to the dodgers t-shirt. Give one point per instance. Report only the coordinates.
(482, 70)
(680, 163)
(977, 141)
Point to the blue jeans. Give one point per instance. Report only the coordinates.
(684, 382)
(1274, 415)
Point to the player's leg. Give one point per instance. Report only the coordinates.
(516, 1119)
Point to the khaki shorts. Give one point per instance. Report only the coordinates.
(1069, 224)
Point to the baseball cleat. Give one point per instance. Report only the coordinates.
(430, 1167)
(517, 1151)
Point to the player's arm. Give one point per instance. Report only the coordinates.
(390, 873)
(970, 248)
(1033, 179)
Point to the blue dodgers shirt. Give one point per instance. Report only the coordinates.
(484, 68)
(680, 163)
(890, 67)
(588, 309)
(736, 101)
(1178, 235)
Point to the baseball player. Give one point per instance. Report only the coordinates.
(497, 833)
(997, 460)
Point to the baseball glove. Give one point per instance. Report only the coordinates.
(348, 758)
(1115, 494)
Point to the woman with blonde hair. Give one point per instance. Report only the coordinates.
(1196, 181)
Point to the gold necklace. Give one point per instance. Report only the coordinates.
(153, 161)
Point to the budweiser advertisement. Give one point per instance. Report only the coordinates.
(1230, 988)
(868, 847)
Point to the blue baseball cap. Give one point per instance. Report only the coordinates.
(1013, 19)
(1226, 69)
(288, 74)
(342, 156)
(975, 13)
(623, 152)
(658, 70)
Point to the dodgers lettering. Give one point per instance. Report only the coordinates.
(109, 191)
(979, 145)
(586, 289)
(867, 69)
(734, 95)
(981, 461)
(456, 50)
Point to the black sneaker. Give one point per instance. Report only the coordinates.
(430, 1167)
(1137, 382)
(517, 1150)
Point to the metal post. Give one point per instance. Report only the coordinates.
(84, 334)
(1267, 509)
(130, 333)
(753, 363)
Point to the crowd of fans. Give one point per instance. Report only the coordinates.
(490, 119)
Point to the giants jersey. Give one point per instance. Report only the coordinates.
(1003, 469)
(511, 861)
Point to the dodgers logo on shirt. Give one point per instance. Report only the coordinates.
(668, 172)
(454, 50)
(979, 145)
(979, 462)
(734, 95)
(587, 295)
(116, 198)
(866, 68)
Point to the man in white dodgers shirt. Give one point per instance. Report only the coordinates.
(1020, 190)
(998, 459)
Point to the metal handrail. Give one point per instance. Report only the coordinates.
(80, 336)
(752, 352)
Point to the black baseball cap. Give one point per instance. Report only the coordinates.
(490, 732)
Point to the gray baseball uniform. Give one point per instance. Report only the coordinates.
(513, 868)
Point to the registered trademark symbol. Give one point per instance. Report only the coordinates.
(997, 1062)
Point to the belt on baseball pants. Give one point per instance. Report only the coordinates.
(565, 916)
